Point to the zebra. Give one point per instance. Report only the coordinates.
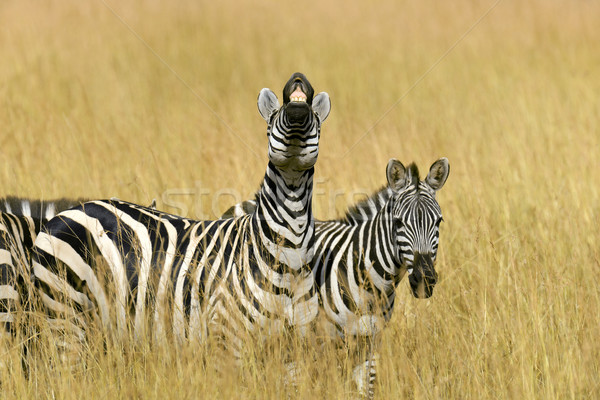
(21, 219)
(186, 279)
(358, 266)
(361, 258)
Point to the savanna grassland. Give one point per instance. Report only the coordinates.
(143, 100)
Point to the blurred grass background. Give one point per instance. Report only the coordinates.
(143, 100)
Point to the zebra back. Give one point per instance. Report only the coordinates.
(38, 210)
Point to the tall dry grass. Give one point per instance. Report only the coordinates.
(157, 100)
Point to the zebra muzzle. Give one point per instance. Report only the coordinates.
(297, 113)
(423, 277)
(298, 89)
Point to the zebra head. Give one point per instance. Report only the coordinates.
(416, 218)
(294, 128)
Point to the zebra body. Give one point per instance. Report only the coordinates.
(192, 278)
(20, 221)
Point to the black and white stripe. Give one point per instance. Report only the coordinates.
(21, 220)
(188, 279)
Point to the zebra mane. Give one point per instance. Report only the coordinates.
(413, 175)
(367, 207)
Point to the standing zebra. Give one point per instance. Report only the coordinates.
(191, 278)
(20, 222)
(360, 259)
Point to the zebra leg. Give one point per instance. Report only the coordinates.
(69, 339)
(364, 376)
(291, 378)
(66, 311)
(9, 297)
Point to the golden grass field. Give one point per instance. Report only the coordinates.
(158, 100)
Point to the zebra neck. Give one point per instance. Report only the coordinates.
(283, 217)
(383, 265)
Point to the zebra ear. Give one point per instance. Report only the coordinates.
(396, 174)
(321, 105)
(267, 103)
(438, 173)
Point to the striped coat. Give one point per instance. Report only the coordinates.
(20, 221)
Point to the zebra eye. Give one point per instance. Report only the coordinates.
(439, 221)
